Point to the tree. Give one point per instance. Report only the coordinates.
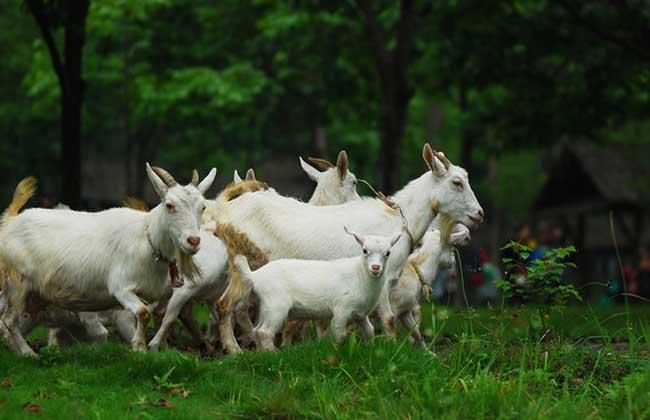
(71, 16)
(392, 66)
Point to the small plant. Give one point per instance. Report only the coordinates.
(163, 382)
(539, 281)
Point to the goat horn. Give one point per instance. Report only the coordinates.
(195, 178)
(321, 163)
(165, 176)
(442, 158)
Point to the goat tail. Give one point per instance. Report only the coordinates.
(135, 204)
(239, 286)
(241, 262)
(24, 191)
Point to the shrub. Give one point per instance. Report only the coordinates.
(538, 281)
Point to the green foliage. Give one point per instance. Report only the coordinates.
(188, 83)
(538, 281)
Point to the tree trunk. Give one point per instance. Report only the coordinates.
(75, 29)
(68, 69)
(320, 140)
(392, 67)
(392, 126)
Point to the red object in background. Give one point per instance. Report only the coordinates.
(483, 256)
(477, 278)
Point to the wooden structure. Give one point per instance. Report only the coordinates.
(586, 184)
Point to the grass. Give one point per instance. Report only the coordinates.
(594, 365)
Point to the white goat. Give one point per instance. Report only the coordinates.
(408, 293)
(458, 235)
(342, 290)
(335, 184)
(96, 261)
(269, 227)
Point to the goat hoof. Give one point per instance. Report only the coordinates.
(29, 353)
(139, 347)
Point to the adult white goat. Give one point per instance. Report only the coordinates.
(212, 260)
(334, 184)
(264, 226)
(96, 261)
(342, 290)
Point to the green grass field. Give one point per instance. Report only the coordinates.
(593, 365)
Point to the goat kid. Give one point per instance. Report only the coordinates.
(342, 290)
(83, 261)
(407, 295)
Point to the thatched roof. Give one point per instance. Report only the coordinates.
(601, 177)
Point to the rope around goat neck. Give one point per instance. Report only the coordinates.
(393, 205)
(426, 289)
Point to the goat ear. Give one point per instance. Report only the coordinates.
(236, 178)
(430, 160)
(342, 164)
(158, 184)
(312, 172)
(442, 158)
(358, 238)
(205, 185)
(396, 237)
(250, 175)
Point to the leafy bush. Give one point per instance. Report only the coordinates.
(539, 281)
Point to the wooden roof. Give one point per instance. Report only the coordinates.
(588, 177)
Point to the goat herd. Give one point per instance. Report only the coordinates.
(250, 253)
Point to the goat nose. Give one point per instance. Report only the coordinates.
(375, 267)
(194, 241)
(480, 213)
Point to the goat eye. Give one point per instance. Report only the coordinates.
(388, 253)
(458, 184)
(365, 252)
(170, 207)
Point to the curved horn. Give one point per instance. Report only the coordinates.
(442, 158)
(195, 178)
(165, 176)
(321, 163)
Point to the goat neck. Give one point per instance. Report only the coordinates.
(158, 235)
(415, 201)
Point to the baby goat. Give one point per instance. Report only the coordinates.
(408, 293)
(342, 290)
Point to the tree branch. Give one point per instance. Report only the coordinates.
(37, 9)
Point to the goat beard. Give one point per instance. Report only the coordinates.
(187, 268)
